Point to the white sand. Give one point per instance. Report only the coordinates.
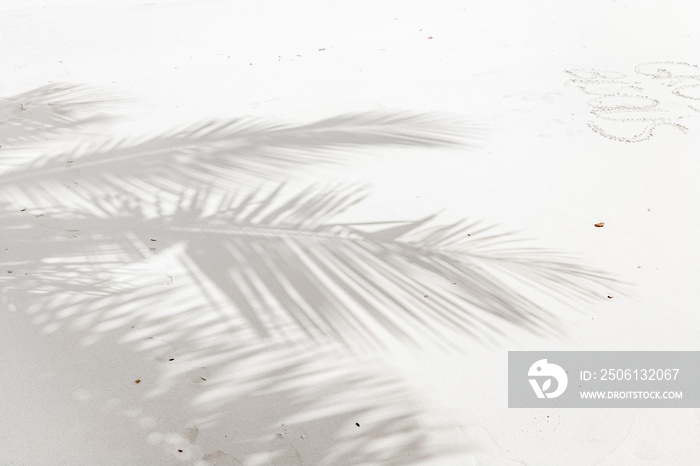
(131, 122)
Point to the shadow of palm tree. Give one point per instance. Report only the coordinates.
(218, 396)
(30, 116)
(356, 415)
(91, 250)
(226, 154)
(287, 268)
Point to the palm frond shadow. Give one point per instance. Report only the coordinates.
(413, 280)
(228, 154)
(353, 416)
(292, 273)
(75, 276)
(261, 269)
(236, 400)
(30, 116)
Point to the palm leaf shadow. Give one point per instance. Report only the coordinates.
(292, 273)
(354, 415)
(80, 280)
(413, 280)
(31, 116)
(218, 395)
(288, 270)
(226, 154)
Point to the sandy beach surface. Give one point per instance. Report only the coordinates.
(308, 232)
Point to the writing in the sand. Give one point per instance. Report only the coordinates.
(627, 108)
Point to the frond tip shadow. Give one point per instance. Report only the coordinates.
(49, 109)
(411, 279)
